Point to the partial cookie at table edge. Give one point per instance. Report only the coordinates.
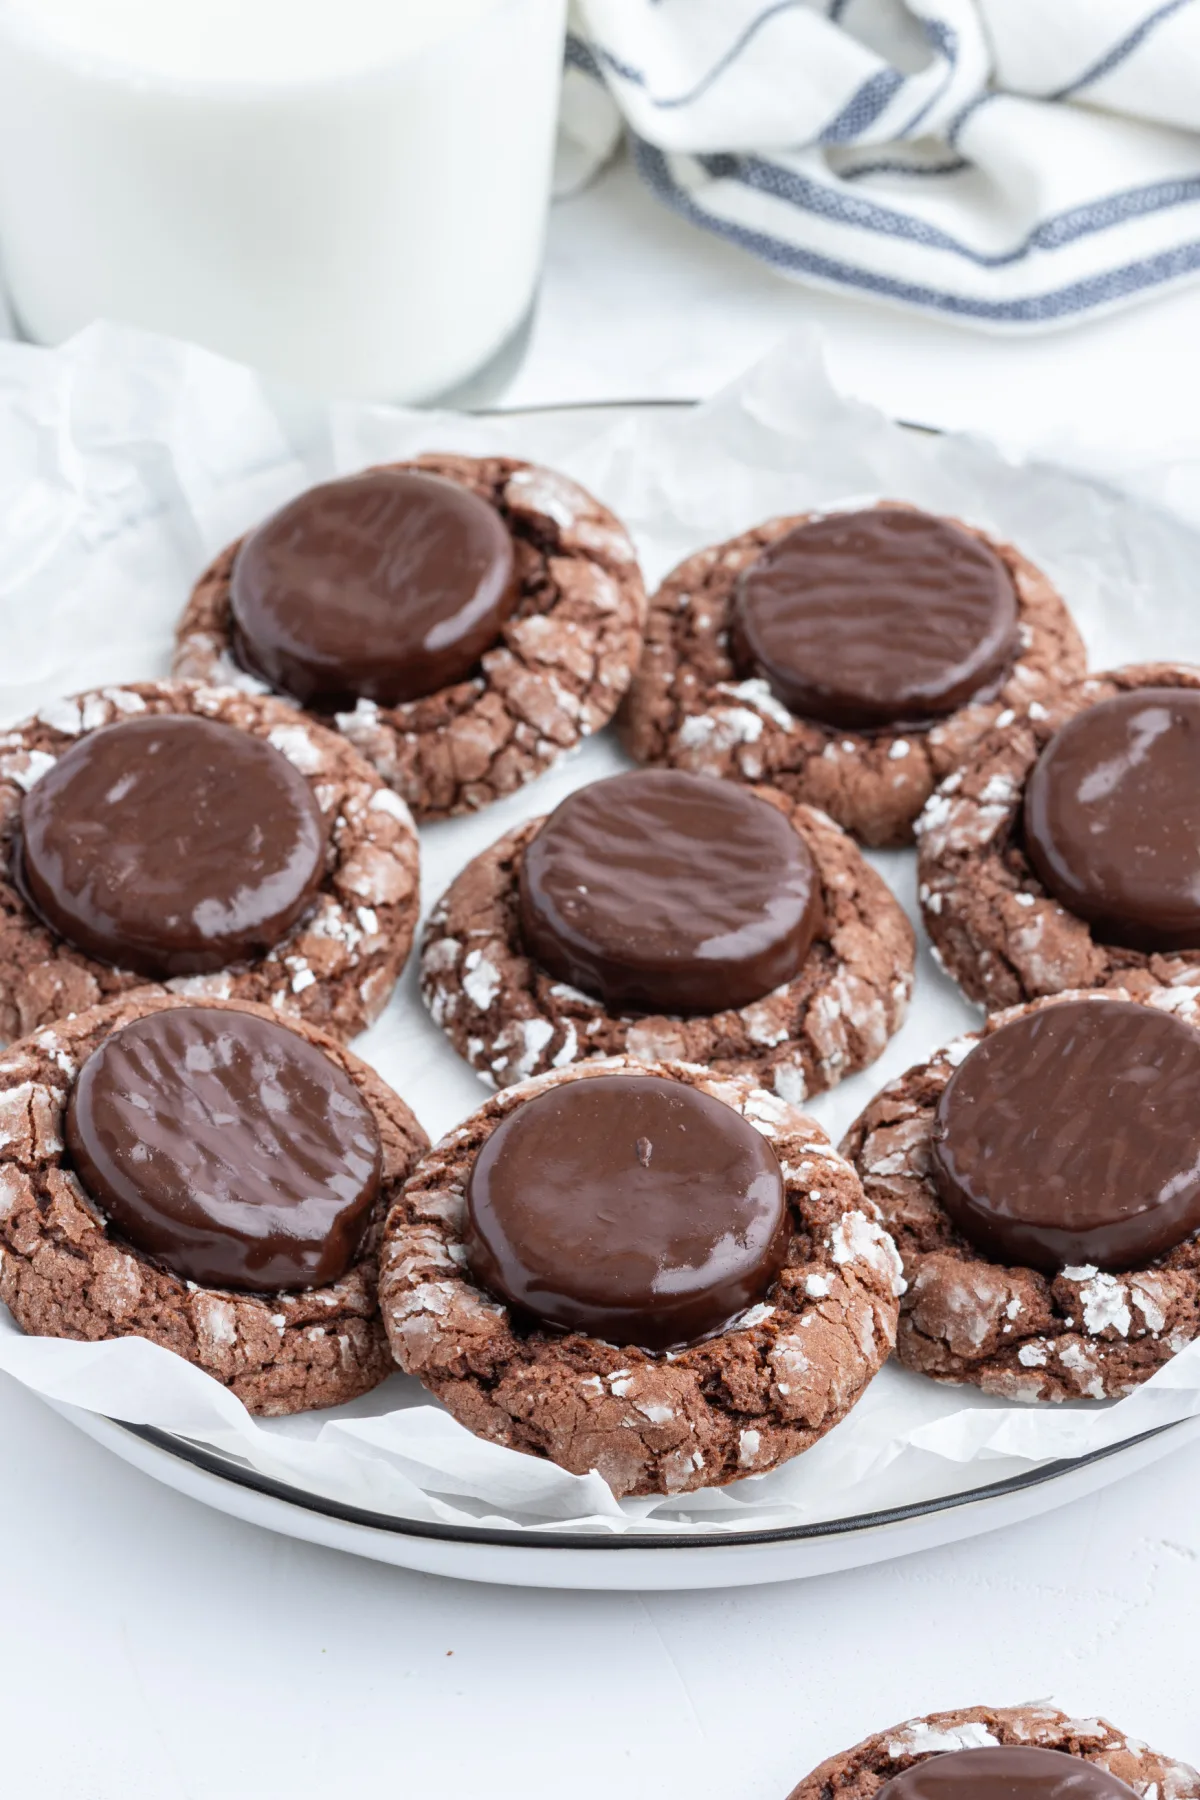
(859, 1773)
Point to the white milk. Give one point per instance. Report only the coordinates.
(350, 194)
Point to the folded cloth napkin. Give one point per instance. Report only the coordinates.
(1012, 163)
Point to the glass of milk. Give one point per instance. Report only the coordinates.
(350, 195)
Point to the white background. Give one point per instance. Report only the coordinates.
(153, 1649)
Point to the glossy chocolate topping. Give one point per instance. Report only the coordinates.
(226, 1147)
(1112, 818)
(630, 1208)
(670, 893)
(171, 846)
(1072, 1136)
(872, 619)
(385, 587)
(1005, 1772)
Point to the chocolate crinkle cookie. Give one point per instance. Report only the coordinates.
(68, 1269)
(165, 827)
(751, 697)
(738, 1399)
(548, 670)
(860, 1773)
(510, 1018)
(1111, 830)
(1039, 1179)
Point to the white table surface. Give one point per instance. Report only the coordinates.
(155, 1651)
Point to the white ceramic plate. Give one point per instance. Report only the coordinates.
(565, 1559)
(122, 523)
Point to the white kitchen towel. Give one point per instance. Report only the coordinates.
(1012, 163)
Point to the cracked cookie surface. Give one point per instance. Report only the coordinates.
(335, 968)
(736, 1404)
(688, 709)
(858, 1774)
(555, 676)
(62, 1275)
(992, 924)
(1010, 1330)
(510, 1019)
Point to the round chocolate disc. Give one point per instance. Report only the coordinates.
(873, 619)
(630, 1208)
(669, 892)
(1072, 1136)
(1112, 818)
(1005, 1772)
(384, 587)
(226, 1147)
(171, 846)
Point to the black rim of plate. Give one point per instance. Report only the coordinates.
(530, 1539)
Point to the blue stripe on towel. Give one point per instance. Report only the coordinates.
(1090, 291)
(859, 113)
(954, 129)
(809, 195)
(893, 166)
(1113, 58)
(863, 107)
(578, 55)
(668, 103)
(944, 42)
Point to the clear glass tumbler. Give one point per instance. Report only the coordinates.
(350, 195)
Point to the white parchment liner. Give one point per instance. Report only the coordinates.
(126, 460)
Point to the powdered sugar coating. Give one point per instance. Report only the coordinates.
(1001, 936)
(687, 709)
(557, 674)
(62, 1276)
(833, 1018)
(1012, 1331)
(760, 1392)
(336, 967)
(858, 1774)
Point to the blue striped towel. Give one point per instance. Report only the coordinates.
(1005, 162)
